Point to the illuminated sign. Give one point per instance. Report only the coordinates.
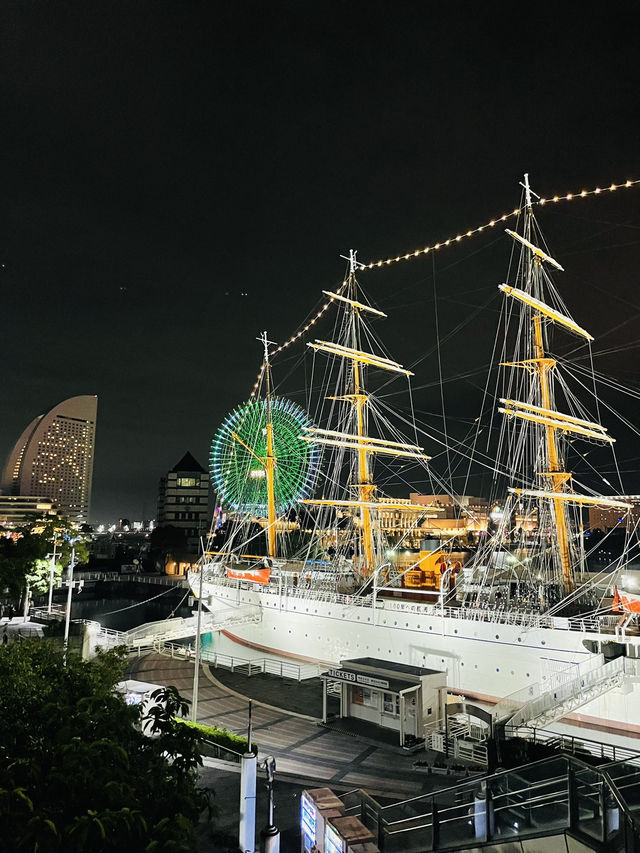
(308, 819)
(357, 678)
(332, 840)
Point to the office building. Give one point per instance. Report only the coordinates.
(53, 458)
(183, 500)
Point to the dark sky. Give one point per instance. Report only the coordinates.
(160, 159)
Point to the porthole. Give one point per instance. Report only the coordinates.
(497, 668)
(431, 627)
(528, 676)
(544, 642)
(455, 630)
(497, 636)
(519, 639)
(461, 663)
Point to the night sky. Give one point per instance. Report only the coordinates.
(179, 176)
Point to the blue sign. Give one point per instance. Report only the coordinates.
(308, 818)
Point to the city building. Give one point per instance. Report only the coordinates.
(606, 519)
(16, 510)
(53, 458)
(183, 501)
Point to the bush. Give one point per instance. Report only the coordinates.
(76, 774)
(221, 737)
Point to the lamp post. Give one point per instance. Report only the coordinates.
(51, 573)
(270, 834)
(70, 585)
(196, 672)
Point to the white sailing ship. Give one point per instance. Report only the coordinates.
(522, 617)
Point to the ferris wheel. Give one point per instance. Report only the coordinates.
(239, 455)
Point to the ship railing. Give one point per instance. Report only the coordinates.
(501, 615)
(243, 666)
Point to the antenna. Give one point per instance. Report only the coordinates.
(528, 192)
(353, 263)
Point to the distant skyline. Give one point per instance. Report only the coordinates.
(180, 178)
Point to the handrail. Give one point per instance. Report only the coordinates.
(501, 616)
(282, 668)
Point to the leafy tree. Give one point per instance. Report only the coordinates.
(24, 566)
(76, 771)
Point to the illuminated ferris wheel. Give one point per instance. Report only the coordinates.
(239, 456)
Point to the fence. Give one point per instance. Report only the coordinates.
(271, 666)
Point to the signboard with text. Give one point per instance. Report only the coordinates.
(357, 678)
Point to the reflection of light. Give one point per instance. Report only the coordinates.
(256, 473)
(390, 553)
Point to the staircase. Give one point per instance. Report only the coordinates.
(144, 636)
(542, 704)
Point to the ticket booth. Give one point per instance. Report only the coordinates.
(388, 695)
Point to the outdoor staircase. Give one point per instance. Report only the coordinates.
(542, 704)
(145, 636)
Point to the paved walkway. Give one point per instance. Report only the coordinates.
(303, 750)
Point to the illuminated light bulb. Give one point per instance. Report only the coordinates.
(388, 261)
(469, 233)
(416, 253)
(437, 246)
(583, 193)
(503, 217)
(597, 190)
(458, 238)
(628, 184)
(516, 211)
(446, 242)
(613, 187)
(397, 259)
(543, 201)
(426, 251)
(569, 196)
(379, 263)
(481, 228)
(406, 257)
(492, 223)
(556, 198)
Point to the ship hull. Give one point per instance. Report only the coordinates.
(483, 660)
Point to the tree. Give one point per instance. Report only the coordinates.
(24, 565)
(76, 771)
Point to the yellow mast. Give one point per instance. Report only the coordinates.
(270, 460)
(556, 475)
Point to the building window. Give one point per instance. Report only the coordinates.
(390, 706)
(187, 482)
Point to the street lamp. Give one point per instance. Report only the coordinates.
(51, 573)
(270, 834)
(70, 585)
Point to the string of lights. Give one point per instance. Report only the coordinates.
(492, 223)
(408, 256)
(296, 336)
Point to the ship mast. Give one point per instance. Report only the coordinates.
(270, 459)
(541, 366)
(358, 441)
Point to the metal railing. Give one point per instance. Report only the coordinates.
(271, 666)
(580, 686)
(573, 744)
(546, 797)
(502, 616)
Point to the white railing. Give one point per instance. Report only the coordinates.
(501, 616)
(282, 668)
(569, 690)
